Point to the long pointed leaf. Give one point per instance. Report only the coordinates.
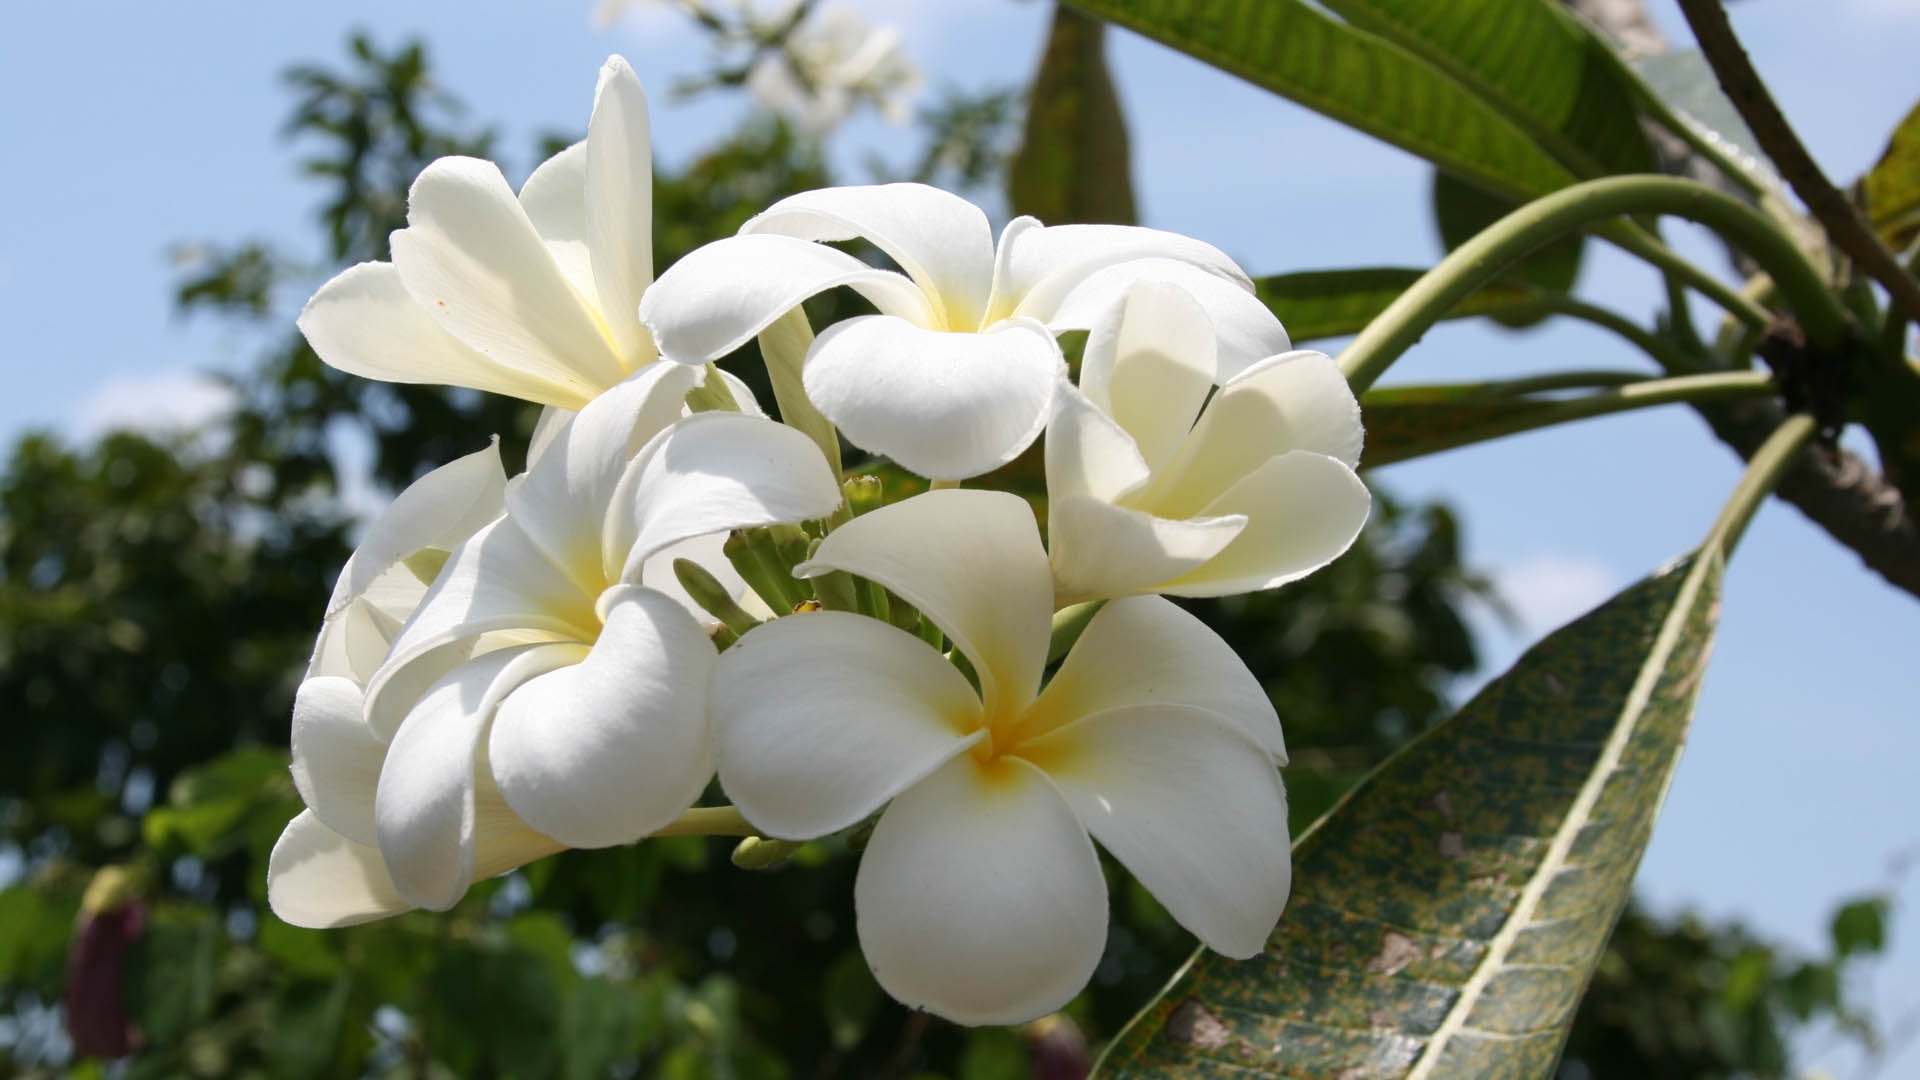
(1073, 164)
(1448, 913)
(1362, 80)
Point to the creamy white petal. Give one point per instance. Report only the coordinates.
(470, 256)
(607, 750)
(1191, 806)
(821, 718)
(353, 641)
(980, 897)
(969, 560)
(424, 805)
(1037, 266)
(719, 296)
(318, 879)
(1303, 511)
(546, 430)
(1099, 550)
(1087, 453)
(336, 756)
(619, 206)
(945, 405)
(364, 322)
(941, 240)
(712, 472)
(555, 199)
(1149, 364)
(1145, 651)
(439, 510)
(1245, 330)
(742, 394)
(561, 500)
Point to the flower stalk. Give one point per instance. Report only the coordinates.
(784, 345)
(1763, 474)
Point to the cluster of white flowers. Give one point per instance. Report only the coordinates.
(510, 667)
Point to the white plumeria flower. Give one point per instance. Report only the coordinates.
(534, 296)
(1153, 486)
(830, 63)
(326, 869)
(980, 896)
(544, 694)
(956, 376)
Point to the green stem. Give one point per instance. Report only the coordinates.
(709, 821)
(1637, 241)
(1498, 389)
(783, 346)
(1713, 386)
(1763, 474)
(1479, 260)
(1669, 356)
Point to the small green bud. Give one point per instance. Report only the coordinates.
(712, 596)
(863, 493)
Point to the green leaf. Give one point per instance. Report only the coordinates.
(1073, 164)
(1860, 926)
(306, 1028)
(1685, 82)
(1891, 189)
(171, 970)
(1319, 304)
(1463, 211)
(1544, 70)
(1357, 78)
(1447, 915)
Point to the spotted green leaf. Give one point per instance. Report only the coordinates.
(1447, 914)
(1891, 188)
(1319, 304)
(1298, 51)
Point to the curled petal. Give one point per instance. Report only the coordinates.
(318, 879)
(439, 510)
(709, 473)
(970, 561)
(619, 206)
(1245, 330)
(1149, 364)
(607, 750)
(336, 756)
(947, 406)
(719, 296)
(980, 897)
(471, 258)
(942, 241)
(353, 641)
(822, 718)
(1191, 806)
(364, 322)
(1037, 266)
(1303, 511)
(424, 807)
(1144, 651)
(1102, 550)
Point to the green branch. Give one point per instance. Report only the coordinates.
(1763, 474)
(1581, 206)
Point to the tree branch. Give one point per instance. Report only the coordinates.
(1842, 220)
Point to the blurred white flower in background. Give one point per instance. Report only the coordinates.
(833, 62)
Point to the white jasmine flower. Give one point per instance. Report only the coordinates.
(1153, 486)
(956, 375)
(980, 896)
(543, 694)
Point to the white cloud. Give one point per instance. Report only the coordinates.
(1547, 591)
(155, 402)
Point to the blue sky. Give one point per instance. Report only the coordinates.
(130, 128)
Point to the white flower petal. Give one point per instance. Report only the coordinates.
(1296, 401)
(980, 897)
(1303, 511)
(610, 749)
(1087, 453)
(546, 430)
(424, 805)
(941, 240)
(318, 879)
(712, 472)
(719, 296)
(1038, 266)
(470, 256)
(555, 199)
(1191, 806)
(1099, 550)
(947, 406)
(742, 394)
(1149, 364)
(1245, 330)
(353, 641)
(708, 552)
(821, 718)
(336, 756)
(1145, 651)
(561, 500)
(439, 510)
(619, 206)
(969, 560)
(364, 322)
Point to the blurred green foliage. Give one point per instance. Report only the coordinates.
(159, 595)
